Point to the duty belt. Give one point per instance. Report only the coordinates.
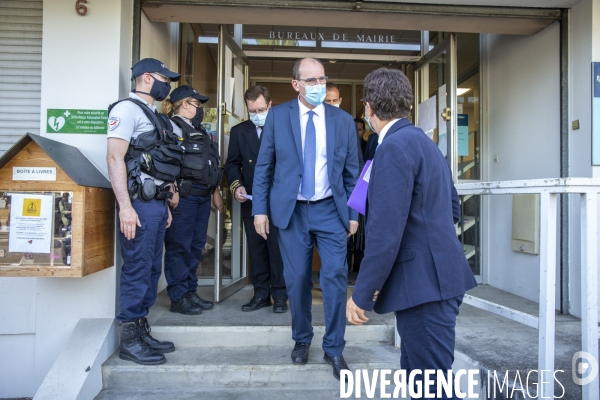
(199, 192)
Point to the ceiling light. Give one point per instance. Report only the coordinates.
(461, 91)
(332, 61)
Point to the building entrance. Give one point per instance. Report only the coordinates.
(222, 61)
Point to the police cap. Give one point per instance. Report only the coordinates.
(152, 65)
(185, 91)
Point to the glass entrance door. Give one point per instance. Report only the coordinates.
(438, 114)
(230, 257)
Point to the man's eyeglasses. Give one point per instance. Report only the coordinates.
(166, 80)
(313, 81)
(261, 111)
(193, 103)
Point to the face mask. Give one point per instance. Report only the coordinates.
(336, 105)
(160, 90)
(259, 119)
(197, 120)
(315, 94)
(369, 123)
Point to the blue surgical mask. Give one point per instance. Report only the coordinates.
(315, 94)
(369, 123)
(259, 119)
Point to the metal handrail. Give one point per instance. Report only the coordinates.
(549, 189)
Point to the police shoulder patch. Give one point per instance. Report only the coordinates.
(113, 122)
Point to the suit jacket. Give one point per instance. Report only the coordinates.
(412, 255)
(242, 155)
(372, 143)
(278, 173)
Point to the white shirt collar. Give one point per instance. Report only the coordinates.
(135, 96)
(319, 110)
(386, 128)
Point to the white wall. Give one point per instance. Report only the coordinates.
(523, 94)
(85, 65)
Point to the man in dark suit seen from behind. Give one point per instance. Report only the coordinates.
(413, 265)
(266, 265)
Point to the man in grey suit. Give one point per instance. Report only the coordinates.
(306, 170)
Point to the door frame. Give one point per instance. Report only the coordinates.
(223, 290)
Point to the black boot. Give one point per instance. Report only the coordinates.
(184, 305)
(156, 345)
(134, 349)
(200, 302)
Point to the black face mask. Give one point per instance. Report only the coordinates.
(197, 120)
(160, 90)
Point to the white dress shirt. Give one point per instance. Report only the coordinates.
(385, 130)
(322, 187)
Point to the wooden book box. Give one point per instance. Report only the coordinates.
(57, 211)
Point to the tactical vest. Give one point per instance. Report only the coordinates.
(159, 152)
(202, 164)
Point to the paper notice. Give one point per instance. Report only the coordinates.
(30, 223)
(427, 118)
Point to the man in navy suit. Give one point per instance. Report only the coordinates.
(266, 265)
(307, 168)
(413, 265)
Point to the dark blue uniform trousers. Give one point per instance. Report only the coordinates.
(184, 242)
(142, 260)
(318, 223)
(427, 332)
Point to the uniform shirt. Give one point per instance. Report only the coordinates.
(322, 186)
(127, 120)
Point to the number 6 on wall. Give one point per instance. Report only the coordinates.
(80, 8)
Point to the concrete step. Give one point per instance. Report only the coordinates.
(240, 367)
(235, 336)
(230, 394)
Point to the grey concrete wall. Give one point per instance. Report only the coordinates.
(521, 75)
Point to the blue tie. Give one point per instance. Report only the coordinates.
(310, 158)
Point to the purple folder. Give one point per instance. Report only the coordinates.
(358, 198)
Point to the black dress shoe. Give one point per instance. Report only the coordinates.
(280, 306)
(337, 363)
(156, 345)
(184, 305)
(256, 303)
(200, 302)
(300, 353)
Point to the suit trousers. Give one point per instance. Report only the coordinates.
(266, 265)
(427, 332)
(184, 242)
(318, 223)
(142, 260)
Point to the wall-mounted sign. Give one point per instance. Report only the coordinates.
(343, 37)
(596, 113)
(76, 121)
(34, 173)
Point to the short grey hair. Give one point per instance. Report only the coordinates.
(296, 70)
(388, 93)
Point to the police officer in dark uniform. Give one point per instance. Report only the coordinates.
(266, 265)
(137, 140)
(200, 178)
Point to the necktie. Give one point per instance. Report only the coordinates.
(259, 131)
(310, 158)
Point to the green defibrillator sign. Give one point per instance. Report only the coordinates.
(76, 121)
